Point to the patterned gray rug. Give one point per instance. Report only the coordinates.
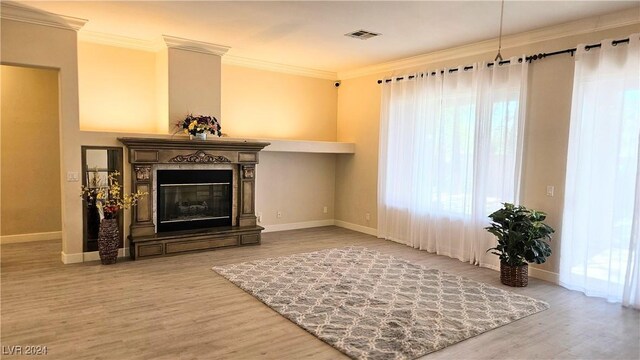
(371, 305)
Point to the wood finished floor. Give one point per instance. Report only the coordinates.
(178, 308)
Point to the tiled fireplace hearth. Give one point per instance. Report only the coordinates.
(201, 195)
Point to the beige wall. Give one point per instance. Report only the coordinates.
(194, 85)
(258, 103)
(266, 104)
(127, 90)
(54, 48)
(117, 88)
(162, 92)
(298, 185)
(136, 91)
(546, 133)
(30, 181)
(357, 175)
(275, 105)
(296, 107)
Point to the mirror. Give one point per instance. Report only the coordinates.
(97, 163)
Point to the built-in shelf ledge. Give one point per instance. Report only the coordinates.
(301, 146)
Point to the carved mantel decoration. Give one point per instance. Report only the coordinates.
(145, 154)
(248, 172)
(199, 157)
(142, 172)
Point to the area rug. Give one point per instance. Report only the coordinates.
(371, 305)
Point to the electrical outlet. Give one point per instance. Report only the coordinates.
(73, 176)
(279, 214)
(367, 216)
(259, 217)
(550, 190)
(325, 210)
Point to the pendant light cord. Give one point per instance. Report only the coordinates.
(499, 56)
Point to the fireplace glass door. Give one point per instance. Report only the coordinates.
(193, 199)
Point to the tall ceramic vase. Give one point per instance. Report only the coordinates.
(108, 241)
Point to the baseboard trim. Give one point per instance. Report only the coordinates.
(545, 275)
(298, 225)
(533, 272)
(355, 227)
(71, 258)
(492, 267)
(20, 238)
(94, 255)
(88, 256)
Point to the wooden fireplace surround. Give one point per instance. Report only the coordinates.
(145, 153)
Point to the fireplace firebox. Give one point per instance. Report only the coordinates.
(193, 199)
(201, 195)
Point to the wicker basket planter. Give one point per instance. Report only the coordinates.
(108, 241)
(516, 276)
(522, 237)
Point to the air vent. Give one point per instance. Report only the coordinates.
(362, 34)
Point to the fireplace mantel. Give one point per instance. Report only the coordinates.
(221, 144)
(147, 154)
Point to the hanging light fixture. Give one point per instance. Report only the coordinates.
(499, 55)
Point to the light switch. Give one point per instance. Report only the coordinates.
(550, 190)
(73, 176)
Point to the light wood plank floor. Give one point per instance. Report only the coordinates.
(178, 308)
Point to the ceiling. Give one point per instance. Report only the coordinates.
(310, 34)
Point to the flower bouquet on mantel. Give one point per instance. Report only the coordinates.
(198, 126)
(109, 200)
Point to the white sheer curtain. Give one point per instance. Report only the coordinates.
(450, 153)
(599, 251)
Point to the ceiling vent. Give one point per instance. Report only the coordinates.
(362, 34)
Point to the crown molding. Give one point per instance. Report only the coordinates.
(578, 27)
(153, 46)
(281, 68)
(119, 41)
(17, 12)
(173, 42)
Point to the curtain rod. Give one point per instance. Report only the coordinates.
(528, 59)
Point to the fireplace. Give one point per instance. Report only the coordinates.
(193, 199)
(201, 195)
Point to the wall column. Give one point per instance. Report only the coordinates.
(192, 70)
(52, 43)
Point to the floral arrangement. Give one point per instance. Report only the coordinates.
(200, 124)
(109, 198)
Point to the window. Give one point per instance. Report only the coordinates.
(450, 146)
(601, 201)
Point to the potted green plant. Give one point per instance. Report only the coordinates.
(522, 236)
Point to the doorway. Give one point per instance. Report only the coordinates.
(30, 189)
